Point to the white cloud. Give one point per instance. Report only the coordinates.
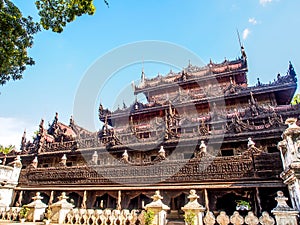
(11, 131)
(264, 2)
(252, 21)
(246, 33)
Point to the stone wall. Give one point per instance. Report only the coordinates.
(9, 176)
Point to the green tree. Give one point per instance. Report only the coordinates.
(5, 151)
(16, 31)
(16, 36)
(55, 14)
(296, 99)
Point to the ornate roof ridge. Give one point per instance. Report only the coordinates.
(57, 132)
(194, 70)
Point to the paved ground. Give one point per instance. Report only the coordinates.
(18, 223)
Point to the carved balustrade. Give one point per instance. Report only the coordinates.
(9, 214)
(103, 217)
(283, 215)
(121, 217)
(195, 170)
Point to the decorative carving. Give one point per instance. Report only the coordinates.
(33, 164)
(236, 219)
(252, 149)
(125, 157)
(203, 129)
(209, 218)
(161, 155)
(223, 219)
(232, 88)
(266, 219)
(171, 121)
(251, 219)
(63, 161)
(237, 125)
(202, 151)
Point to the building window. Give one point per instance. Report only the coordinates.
(227, 152)
(272, 149)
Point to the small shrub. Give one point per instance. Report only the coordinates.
(149, 217)
(189, 218)
(23, 212)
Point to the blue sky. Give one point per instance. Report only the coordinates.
(269, 30)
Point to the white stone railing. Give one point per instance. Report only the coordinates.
(85, 216)
(103, 217)
(237, 219)
(10, 213)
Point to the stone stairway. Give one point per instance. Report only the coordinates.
(175, 222)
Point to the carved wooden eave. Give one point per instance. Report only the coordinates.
(90, 145)
(287, 88)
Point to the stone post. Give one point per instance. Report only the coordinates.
(290, 155)
(159, 209)
(60, 209)
(283, 213)
(36, 208)
(193, 207)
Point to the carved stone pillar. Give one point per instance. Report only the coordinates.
(60, 209)
(283, 213)
(36, 209)
(290, 154)
(193, 210)
(159, 209)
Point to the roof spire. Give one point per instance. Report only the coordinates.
(244, 56)
(143, 73)
(238, 34)
(292, 72)
(24, 133)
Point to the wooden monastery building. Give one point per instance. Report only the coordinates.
(202, 128)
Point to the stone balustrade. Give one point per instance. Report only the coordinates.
(282, 212)
(103, 217)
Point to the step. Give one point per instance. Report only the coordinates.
(175, 222)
